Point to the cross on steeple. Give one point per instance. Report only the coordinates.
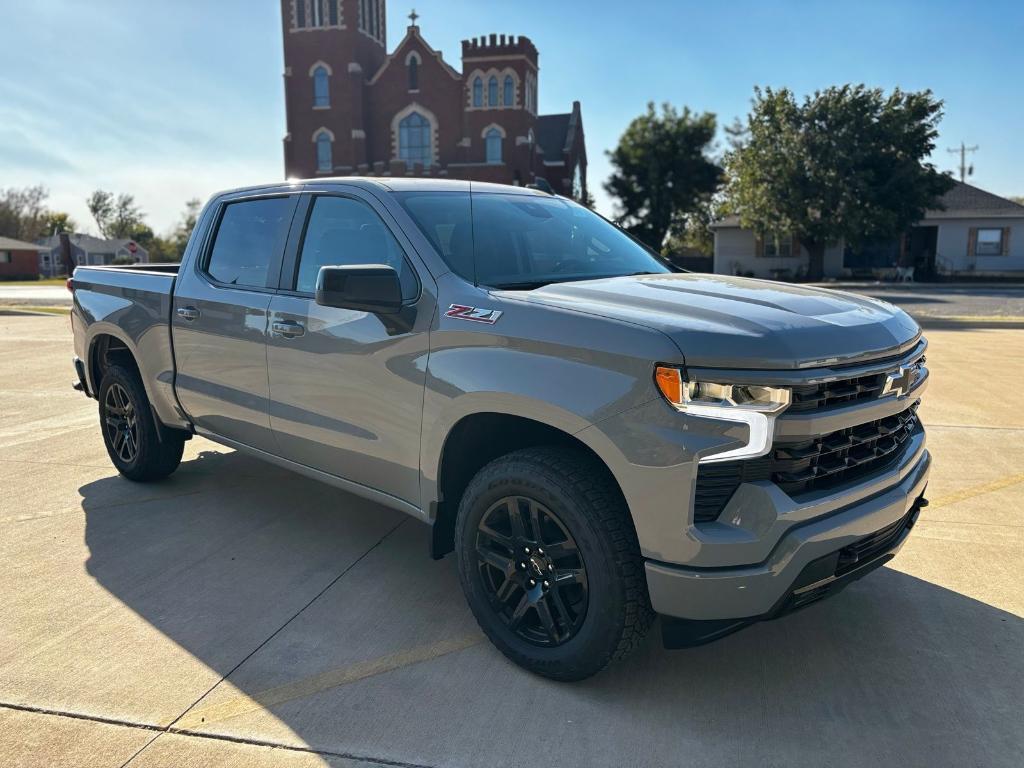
(413, 16)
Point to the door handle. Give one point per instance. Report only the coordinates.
(189, 313)
(287, 328)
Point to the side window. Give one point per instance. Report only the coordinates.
(250, 235)
(344, 232)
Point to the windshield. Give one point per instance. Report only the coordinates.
(524, 241)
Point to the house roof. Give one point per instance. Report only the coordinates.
(91, 244)
(10, 244)
(961, 202)
(552, 133)
(965, 201)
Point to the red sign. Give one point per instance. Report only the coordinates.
(132, 247)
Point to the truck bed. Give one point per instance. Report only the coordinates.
(128, 307)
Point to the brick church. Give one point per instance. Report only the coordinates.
(355, 109)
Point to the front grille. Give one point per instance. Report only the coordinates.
(816, 464)
(811, 397)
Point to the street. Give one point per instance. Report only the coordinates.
(941, 301)
(237, 614)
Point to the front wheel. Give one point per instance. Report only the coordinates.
(135, 446)
(550, 564)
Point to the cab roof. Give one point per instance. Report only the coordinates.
(390, 184)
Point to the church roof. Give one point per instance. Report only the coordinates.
(552, 135)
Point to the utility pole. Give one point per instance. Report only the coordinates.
(965, 170)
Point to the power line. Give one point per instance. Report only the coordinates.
(965, 170)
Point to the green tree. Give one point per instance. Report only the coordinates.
(118, 217)
(1019, 199)
(692, 234)
(848, 163)
(662, 170)
(171, 247)
(55, 222)
(23, 212)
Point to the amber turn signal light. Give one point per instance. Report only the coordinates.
(670, 382)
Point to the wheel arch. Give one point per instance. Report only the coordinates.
(475, 440)
(107, 346)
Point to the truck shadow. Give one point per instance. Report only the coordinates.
(221, 555)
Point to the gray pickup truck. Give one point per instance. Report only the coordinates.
(598, 438)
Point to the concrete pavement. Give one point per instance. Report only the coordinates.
(236, 614)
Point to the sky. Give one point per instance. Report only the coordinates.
(173, 99)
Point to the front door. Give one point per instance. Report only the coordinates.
(219, 320)
(346, 386)
(923, 244)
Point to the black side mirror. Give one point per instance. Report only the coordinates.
(369, 287)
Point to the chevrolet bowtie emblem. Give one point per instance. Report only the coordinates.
(898, 382)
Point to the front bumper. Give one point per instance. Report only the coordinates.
(737, 595)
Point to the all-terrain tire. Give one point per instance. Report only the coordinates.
(580, 493)
(138, 448)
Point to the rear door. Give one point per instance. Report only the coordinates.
(219, 319)
(346, 386)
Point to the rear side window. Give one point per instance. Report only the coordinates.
(249, 238)
(347, 232)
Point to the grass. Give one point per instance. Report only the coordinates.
(35, 283)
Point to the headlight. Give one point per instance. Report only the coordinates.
(753, 405)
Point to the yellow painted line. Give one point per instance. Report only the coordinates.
(300, 689)
(977, 490)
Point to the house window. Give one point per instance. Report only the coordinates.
(324, 153)
(414, 141)
(478, 92)
(989, 242)
(493, 139)
(321, 93)
(777, 246)
(492, 92)
(414, 73)
(5, 257)
(509, 99)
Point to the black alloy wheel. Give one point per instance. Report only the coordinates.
(121, 423)
(532, 569)
(139, 446)
(550, 563)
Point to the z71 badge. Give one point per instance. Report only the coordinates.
(476, 314)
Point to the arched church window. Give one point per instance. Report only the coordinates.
(414, 140)
(324, 152)
(493, 140)
(478, 92)
(321, 91)
(509, 99)
(492, 92)
(414, 73)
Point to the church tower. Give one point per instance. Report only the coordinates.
(331, 47)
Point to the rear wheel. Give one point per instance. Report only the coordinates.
(549, 562)
(138, 448)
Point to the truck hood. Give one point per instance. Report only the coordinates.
(733, 322)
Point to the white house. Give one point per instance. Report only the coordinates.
(975, 233)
